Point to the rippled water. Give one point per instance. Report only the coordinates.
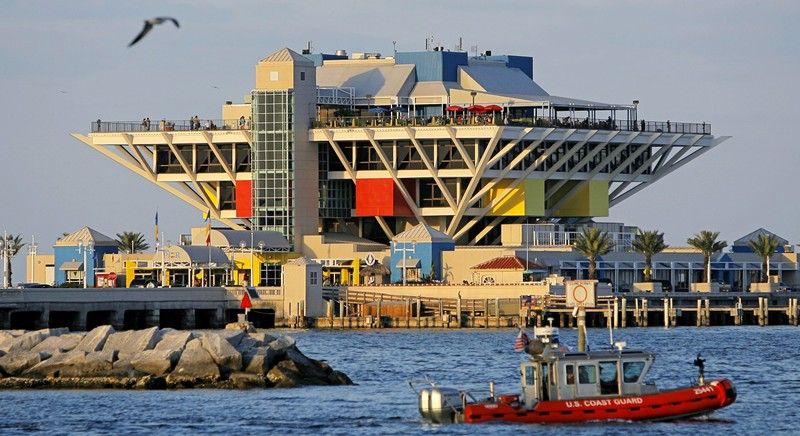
(762, 362)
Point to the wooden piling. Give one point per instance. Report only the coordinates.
(624, 313)
(666, 313)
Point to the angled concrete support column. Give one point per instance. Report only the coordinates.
(44, 319)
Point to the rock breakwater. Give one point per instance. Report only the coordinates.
(156, 359)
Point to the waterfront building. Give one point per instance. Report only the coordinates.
(372, 146)
(78, 254)
(343, 155)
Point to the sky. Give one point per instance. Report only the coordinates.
(66, 63)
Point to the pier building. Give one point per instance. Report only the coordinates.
(370, 146)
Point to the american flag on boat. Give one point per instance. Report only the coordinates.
(521, 341)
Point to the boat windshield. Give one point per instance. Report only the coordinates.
(631, 371)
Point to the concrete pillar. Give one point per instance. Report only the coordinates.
(766, 311)
(44, 319)
(699, 313)
(645, 315)
(497, 311)
(616, 313)
(118, 319)
(152, 317)
(188, 319)
(666, 313)
(419, 312)
(81, 320)
(707, 317)
(218, 320)
(5, 319)
(378, 317)
(458, 312)
(624, 313)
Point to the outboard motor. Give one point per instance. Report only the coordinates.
(439, 405)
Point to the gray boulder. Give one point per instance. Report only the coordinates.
(94, 364)
(243, 380)
(262, 337)
(284, 375)
(232, 336)
(27, 341)
(312, 372)
(259, 360)
(282, 344)
(224, 354)
(155, 362)
(196, 362)
(173, 340)
(132, 341)
(16, 363)
(57, 365)
(95, 339)
(59, 344)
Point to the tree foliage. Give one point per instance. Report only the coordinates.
(132, 242)
(593, 242)
(763, 246)
(648, 243)
(706, 242)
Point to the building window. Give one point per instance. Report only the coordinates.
(273, 76)
(270, 274)
(312, 278)
(302, 75)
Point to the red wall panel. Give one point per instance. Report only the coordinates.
(374, 197)
(244, 198)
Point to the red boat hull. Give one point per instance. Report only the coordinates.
(665, 405)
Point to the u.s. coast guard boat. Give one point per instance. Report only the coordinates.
(559, 386)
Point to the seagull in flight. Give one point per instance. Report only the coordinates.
(148, 25)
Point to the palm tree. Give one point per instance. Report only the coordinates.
(13, 244)
(649, 243)
(764, 246)
(593, 242)
(706, 242)
(132, 242)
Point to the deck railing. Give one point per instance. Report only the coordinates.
(163, 125)
(400, 120)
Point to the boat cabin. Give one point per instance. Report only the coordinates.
(556, 375)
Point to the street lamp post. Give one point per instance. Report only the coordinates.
(5, 248)
(85, 248)
(473, 94)
(261, 246)
(32, 250)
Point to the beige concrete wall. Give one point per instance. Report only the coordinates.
(302, 290)
(36, 268)
(465, 291)
(235, 111)
(306, 155)
(283, 77)
(457, 265)
(498, 276)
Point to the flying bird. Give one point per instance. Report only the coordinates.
(148, 26)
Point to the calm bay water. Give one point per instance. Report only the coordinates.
(762, 362)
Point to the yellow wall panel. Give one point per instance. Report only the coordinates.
(591, 200)
(525, 199)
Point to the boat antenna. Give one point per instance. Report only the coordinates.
(610, 326)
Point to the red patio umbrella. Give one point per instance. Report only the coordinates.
(493, 108)
(476, 108)
(454, 108)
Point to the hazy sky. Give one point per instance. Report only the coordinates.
(63, 64)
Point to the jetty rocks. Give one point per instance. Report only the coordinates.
(156, 358)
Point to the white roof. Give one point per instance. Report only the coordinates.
(433, 89)
(271, 240)
(375, 80)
